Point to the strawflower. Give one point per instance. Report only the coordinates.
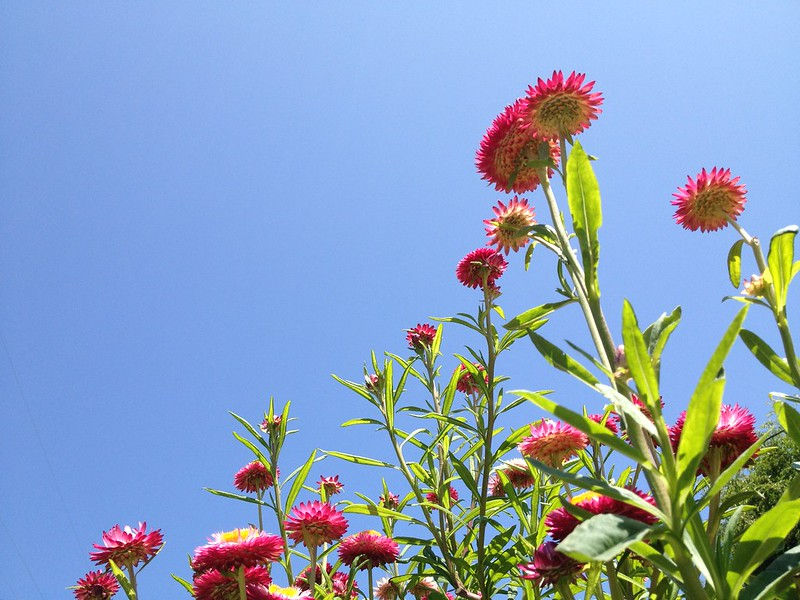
(237, 548)
(219, 585)
(315, 523)
(518, 474)
(420, 337)
(377, 549)
(267, 425)
(331, 485)
(507, 231)
(549, 566)
(506, 150)
(96, 585)
(128, 546)
(561, 107)
(385, 589)
(433, 497)
(552, 442)
(482, 266)
(708, 203)
(610, 423)
(391, 501)
(466, 381)
(276, 592)
(253, 477)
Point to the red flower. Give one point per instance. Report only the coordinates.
(559, 107)
(391, 502)
(332, 485)
(267, 425)
(378, 550)
(315, 523)
(433, 497)
(733, 434)
(508, 229)
(708, 203)
(223, 585)
(560, 523)
(253, 477)
(237, 548)
(518, 474)
(374, 383)
(96, 585)
(128, 547)
(550, 566)
(610, 423)
(420, 337)
(481, 267)
(552, 442)
(506, 149)
(466, 380)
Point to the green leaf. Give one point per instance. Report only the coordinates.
(624, 406)
(187, 586)
(359, 460)
(561, 360)
(766, 534)
(363, 421)
(529, 318)
(657, 334)
(377, 511)
(766, 584)
(703, 412)
(122, 580)
(789, 419)
(298, 482)
(665, 565)
(735, 263)
(766, 355)
(233, 496)
(583, 196)
(639, 361)
(780, 258)
(602, 537)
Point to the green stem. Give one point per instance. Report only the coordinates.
(613, 582)
(713, 507)
(312, 574)
(369, 583)
(240, 580)
(563, 589)
(259, 497)
(690, 574)
(132, 580)
(287, 563)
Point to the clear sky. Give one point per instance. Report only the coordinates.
(204, 204)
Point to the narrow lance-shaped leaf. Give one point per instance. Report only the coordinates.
(532, 315)
(770, 579)
(780, 257)
(789, 419)
(298, 482)
(639, 362)
(766, 356)
(561, 360)
(583, 196)
(735, 263)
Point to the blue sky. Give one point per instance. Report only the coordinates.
(205, 205)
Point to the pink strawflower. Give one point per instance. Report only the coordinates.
(466, 381)
(238, 548)
(506, 149)
(433, 497)
(276, 592)
(332, 485)
(552, 442)
(273, 425)
(315, 523)
(219, 585)
(391, 502)
(480, 267)
(422, 587)
(518, 474)
(508, 228)
(96, 585)
(550, 566)
(708, 203)
(558, 107)
(734, 433)
(385, 589)
(301, 581)
(561, 523)
(377, 549)
(610, 423)
(374, 383)
(253, 477)
(420, 337)
(617, 418)
(128, 546)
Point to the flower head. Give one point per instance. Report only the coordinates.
(552, 442)
(734, 433)
(390, 501)
(708, 203)
(301, 581)
(550, 566)
(128, 546)
(518, 474)
(253, 477)
(508, 228)
(96, 585)
(560, 523)
(315, 523)
(275, 592)
(466, 381)
(237, 548)
(420, 337)
(560, 107)
(610, 423)
(374, 383)
(506, 150)
(222, 585)
(482, 266)
(268, 425)
(433, 497)
(385, 589)
(331, 485)
(377, 549)
(422, 587)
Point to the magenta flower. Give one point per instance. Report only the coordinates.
(331, 485)
(315, 523)
(420, 337)
(508, 228)
(238, 548)
(480, 267)
(377, 549)
(128, 546)
(552, 442)
(96, 585)
(253, 477)
(708, 203)
(550, 566)
(560, 107)
(466, 381)
(219, 585)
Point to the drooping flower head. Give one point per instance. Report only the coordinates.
(331, 485)
(708, 203)
(275, 592)
(506, 150)
(560, 107)
(552, 442)
(127, 546)
(481, 266)
(518, 474)
(315, 523)
(561, 523)
(420, 337)
(370, 547)
(466, 381)
(610, 423)
(507, 231)
(385, 589)
(433, 497)
(238, 548)
(253, 477)
(550, 566)
(734, 433)
(390, 501)
(223, 585)
(96, 585)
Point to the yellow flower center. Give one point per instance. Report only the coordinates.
(583, 497)
(287, 592)
(237, 535)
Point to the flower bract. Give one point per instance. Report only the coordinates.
(223, 585)
(370, 547)
(331, 485)
(237, 548)
(253, 477)
(315, 523)
(552, 442)
(549, 566)
(708, 202)
(420, 337)
(127, 546)
(507, 231)
(96, 585)
(466, 380)
(561, 107)
(482, 266)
